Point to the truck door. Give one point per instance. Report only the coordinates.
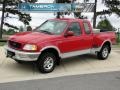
(88, 37)
(72, 43)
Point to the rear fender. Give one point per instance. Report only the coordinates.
(95, 50)
(104, 44)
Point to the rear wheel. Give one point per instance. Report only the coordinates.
(46, 62)
(104, 52)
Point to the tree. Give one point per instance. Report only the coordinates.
(10, 31)
(105, 25)
(76, 14)
(113, 5)
(61, 1)
(4, 31)
(10, 7)
(21, 29)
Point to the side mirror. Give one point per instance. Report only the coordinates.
(69, 33)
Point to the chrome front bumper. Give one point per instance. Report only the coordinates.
(21, 55)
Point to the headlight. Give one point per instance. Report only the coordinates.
(30, 47)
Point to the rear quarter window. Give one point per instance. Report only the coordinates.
(87, 28)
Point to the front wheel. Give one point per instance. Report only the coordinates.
(104, 52)
(46, 62)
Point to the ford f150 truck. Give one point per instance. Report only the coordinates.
(56, 39)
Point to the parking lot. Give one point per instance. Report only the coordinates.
(85, 64)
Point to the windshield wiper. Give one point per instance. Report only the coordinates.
(44, 31)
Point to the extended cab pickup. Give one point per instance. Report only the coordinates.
(56, 39)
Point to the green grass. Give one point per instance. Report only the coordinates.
(2, 43)
(118, 39)
(116, 46)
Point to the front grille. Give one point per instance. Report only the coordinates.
(15, 45)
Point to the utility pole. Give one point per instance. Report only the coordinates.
(95, 15)
(58, 13)
(2, 18)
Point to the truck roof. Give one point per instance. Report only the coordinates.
(69, 19)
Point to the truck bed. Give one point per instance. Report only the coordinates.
(102, 36)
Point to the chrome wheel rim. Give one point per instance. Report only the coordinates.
(105, 52)
(48, 64)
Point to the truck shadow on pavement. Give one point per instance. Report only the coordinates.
(30, 67)
(77, 64)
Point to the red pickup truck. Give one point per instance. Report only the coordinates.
(56, 39)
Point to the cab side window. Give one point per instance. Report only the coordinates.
(87, 28)
(75, 27)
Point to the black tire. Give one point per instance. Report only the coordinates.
(101, 55)
(43, 61)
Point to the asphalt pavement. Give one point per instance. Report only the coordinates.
(100, 81)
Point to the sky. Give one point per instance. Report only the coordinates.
(38, 18)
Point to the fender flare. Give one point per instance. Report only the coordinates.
(104, 43)
(53, 47)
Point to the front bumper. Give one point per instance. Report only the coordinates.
(21, 55)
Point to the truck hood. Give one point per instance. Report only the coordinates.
(31, 37)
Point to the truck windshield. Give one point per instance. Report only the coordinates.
(52, 27)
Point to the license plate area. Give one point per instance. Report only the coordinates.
(10, 54)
